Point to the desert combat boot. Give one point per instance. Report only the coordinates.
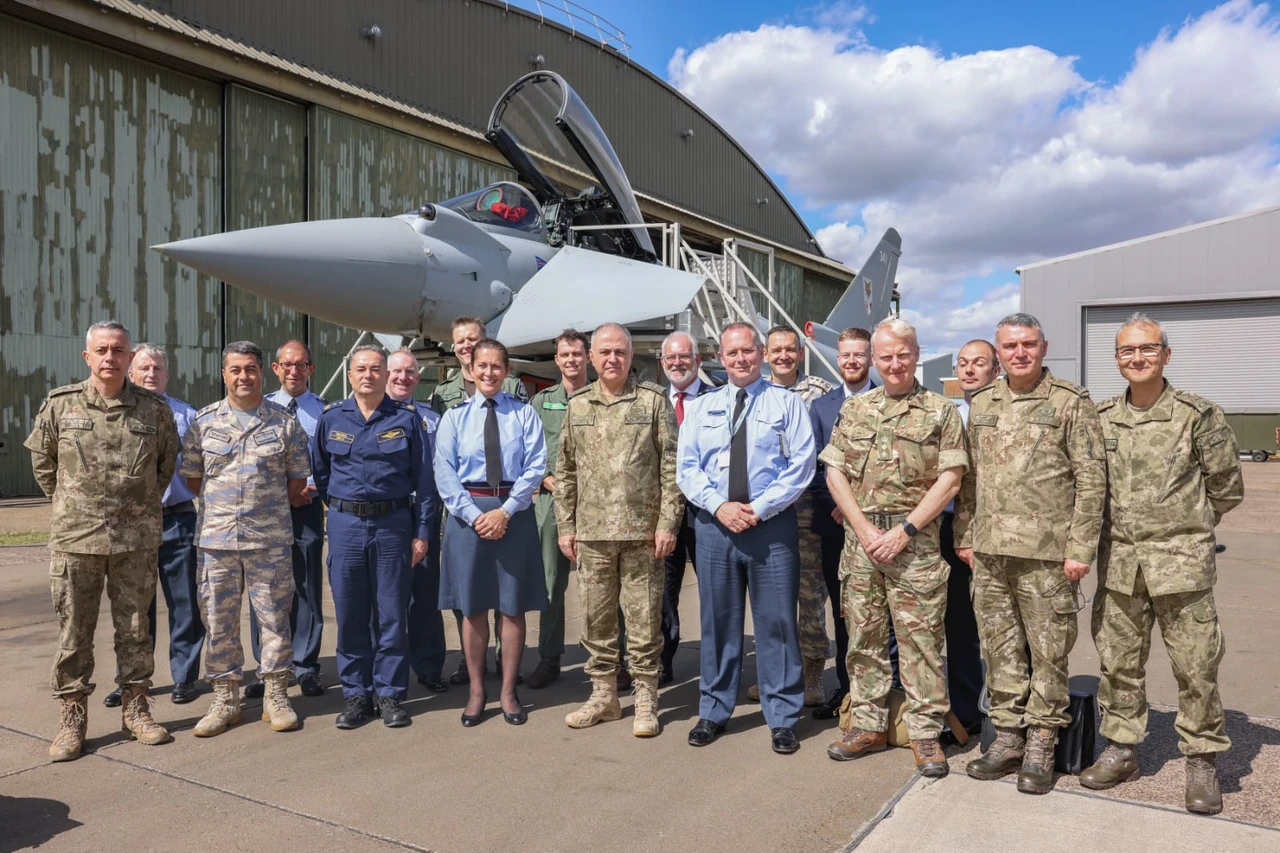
(857, 742)
(645, 723)
(1118, 763)
(602, 707)
(1001, 758)
(225, 710)
(135, 717)
(68, 743)
(1036, 775)
(1203, 794)
(276, 709)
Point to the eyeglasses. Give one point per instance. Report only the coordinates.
(1147, 350)
(293, 365)
(676, 359)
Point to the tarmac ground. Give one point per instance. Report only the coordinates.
(542, 786)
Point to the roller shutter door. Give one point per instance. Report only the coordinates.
(1227, 351)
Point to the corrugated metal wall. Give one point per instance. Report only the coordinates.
(101, 156)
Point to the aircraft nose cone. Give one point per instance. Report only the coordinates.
(369, 274)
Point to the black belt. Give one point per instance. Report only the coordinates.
(365, 509)
(178, 509)
(885, 520)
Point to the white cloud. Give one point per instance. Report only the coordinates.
(988, 160)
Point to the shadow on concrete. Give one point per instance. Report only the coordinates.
(1247, 740)
(31, 821)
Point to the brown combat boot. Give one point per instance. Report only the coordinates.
(645, 723)
(1036, 775)
(225, 710)
(813, 693)
(135, 717)
(1001, 758)
(857, 742)
(1203, 794)
(602, 707)
(930, 762)
(1118, 763)
(68, 743)
(276, 709)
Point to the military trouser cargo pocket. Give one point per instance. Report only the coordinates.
(1204, 609)
(1068, 601)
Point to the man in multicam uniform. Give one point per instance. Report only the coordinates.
(618, 510)
(784, 354)
(894, 462)
(103, 450)
(246, 458)
(1028, 523)
(1173, 472)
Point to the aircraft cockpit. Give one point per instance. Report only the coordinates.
(503, 204)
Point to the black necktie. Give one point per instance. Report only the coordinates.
(492, 445)
(739, 485)
(293, 406)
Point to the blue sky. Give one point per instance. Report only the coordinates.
(1009, 132)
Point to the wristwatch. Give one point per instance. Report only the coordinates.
(909, 527)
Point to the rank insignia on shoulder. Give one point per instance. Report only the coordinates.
(405, 404)
(339, 435)
(390, 434)
(335, 404)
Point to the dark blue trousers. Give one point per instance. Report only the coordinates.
(306, 617)
(764, 563)
(426, 622)
(964, 650)
(178, 582)
(370, 576)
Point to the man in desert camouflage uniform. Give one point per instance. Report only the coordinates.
(1028, 523)
(246, 458)
(894, 462)
(103, 450)
(784, 354)
(1173, 472)
(618, 510)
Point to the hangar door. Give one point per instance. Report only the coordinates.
(1227, 351)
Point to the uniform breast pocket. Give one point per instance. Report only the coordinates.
(143, 438)
(393, 446)
(917, 452)
(855, 456)
(217, 456)
(771, 434)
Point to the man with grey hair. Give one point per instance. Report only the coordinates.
(1174, 472)
(1028, 522)
(247, 460)
(103, 450)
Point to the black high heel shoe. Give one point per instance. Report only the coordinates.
(469, 720)
(519, 718)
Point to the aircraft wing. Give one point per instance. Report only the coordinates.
(580, 289)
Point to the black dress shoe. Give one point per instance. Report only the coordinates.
(254, 690)
(461, 675)
(469, 720)
(112, 699)
(435, 685)
(784, 740)
(547, 671)
(183, 692)
(393, 716)
(830, 709)
(519, 718)
(310, 684)
(705, 732)
(667, 676)
(359, 711)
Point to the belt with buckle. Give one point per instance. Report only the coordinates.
(885, 520)
(480, 490)
(367, 509)
(179, 508)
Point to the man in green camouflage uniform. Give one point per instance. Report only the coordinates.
(894, 462)
(1173, 472)
(1028, 522)
(618, 509)
(454, 391)
(552, 404)
(104, 450)
(246, 457)
(784, 354)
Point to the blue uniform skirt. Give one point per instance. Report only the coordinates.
(478, 575)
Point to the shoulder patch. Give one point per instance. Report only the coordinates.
(1195, 401)
(652, 386)
(584, 389)
(66, 389)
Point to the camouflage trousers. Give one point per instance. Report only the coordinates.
(626, 573)
(1019, 603)
(267, 574)
(1121, 628)
(812, 618)
(77, 581)
(912, 590)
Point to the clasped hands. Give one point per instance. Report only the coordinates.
(491, 525)
(882, 546)
(737, 516)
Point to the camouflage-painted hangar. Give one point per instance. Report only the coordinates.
(126, 124)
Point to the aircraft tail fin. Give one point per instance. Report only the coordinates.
(867, 299)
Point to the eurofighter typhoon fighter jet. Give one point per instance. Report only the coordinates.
(530, 259)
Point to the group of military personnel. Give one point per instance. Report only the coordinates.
(786, 493)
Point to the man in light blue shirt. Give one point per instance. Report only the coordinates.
(746, 453)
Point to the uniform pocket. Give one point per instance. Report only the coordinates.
(1203, 610)
(1067, 600)
(917, 453)
(59, 588)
